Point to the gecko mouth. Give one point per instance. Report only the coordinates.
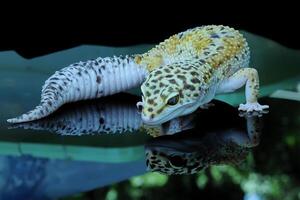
(164, 117)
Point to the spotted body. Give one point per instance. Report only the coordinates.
(176, 77)
(190, 68)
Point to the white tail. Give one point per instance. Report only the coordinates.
(85, 80)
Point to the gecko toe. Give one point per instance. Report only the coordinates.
(251, 107)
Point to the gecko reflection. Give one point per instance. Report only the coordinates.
(190, 152)
(115, 114)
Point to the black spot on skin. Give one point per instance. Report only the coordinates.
(160, 110)
(65, 83)
(172, 81)
(150, 101)
(78, 89)
(152, 87)
(156, 92)
(202, 61)
(194, 74)
(98, 80)
(155, 162)
(181, 77)
(49, 103)
(147, 94)
(157, 73)
(150, 109)
(167, 70)
(214, 35)
(151, 116)
(188, 87)
(54, 79)
(52, 88)
(79, 74)
(60, 88)
(103, 67)
(169, 76)
(161, 85)
(195, 80)
(220, 48)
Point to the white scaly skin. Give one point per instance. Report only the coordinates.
(86, 80)
(187, 70)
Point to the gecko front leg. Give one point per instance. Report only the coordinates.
(249, 78)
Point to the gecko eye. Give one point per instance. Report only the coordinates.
(173, 100)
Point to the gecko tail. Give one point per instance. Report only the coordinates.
(38, 112)
(86, 80)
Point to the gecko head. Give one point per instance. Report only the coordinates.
(169, 92)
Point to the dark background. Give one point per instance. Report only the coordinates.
(49, 28)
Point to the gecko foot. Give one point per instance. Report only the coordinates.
(250, 107)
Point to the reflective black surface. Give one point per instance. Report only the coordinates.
(47, 159)
(101, 150)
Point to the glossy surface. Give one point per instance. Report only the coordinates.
(100, 149)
